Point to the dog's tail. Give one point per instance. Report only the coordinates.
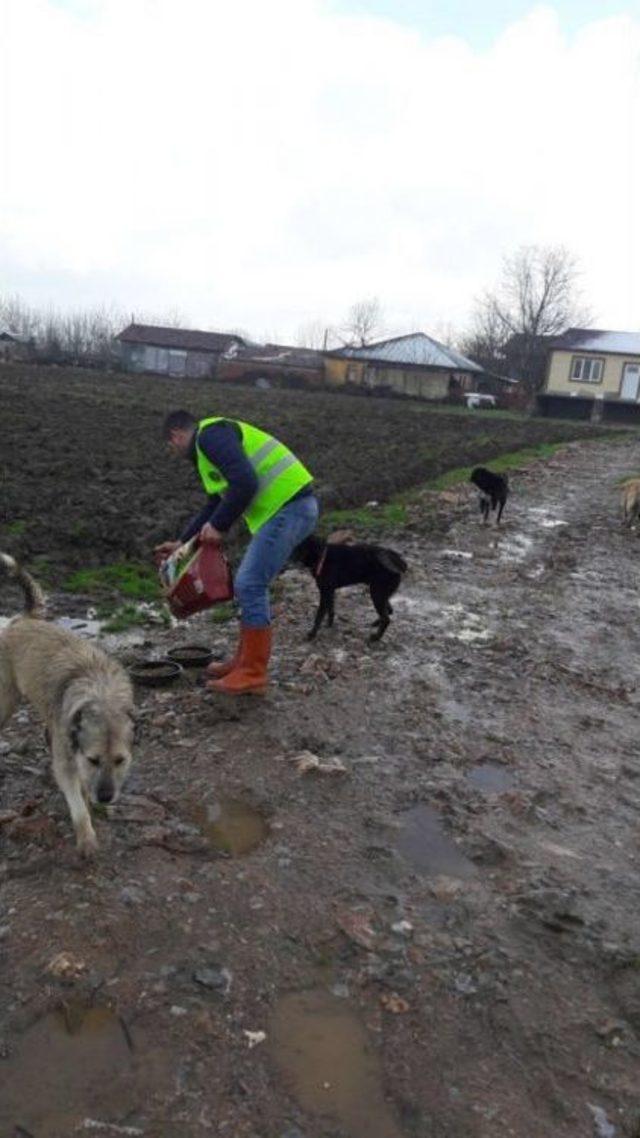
(392, 561)
(35, 604)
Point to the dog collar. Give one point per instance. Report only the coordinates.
(321, 562)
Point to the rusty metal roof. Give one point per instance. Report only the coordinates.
(276, 355)
(185, 338)
(415, 350)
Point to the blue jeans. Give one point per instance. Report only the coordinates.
(267, 552)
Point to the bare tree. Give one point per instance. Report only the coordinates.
(537, 297)
(317, 334)
(365, 322)
(485, 342)
(18, 317)
(163, 318)
(80, 336)
(446, 334)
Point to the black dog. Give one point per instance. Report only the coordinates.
(494, 490)
(336, 566)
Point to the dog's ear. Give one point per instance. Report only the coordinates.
(75, 728)
(80, 715)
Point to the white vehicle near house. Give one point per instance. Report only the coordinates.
(479, 399)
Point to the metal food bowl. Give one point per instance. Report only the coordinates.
(155, 673)
(191, 655)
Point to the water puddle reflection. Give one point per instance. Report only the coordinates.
(72, 1063)
(545, 519)
(328, 1063)
(490, 778)
(424, 842)
(515, 548)
(231, 825)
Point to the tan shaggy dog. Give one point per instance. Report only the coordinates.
(630, 501)
(84, 699)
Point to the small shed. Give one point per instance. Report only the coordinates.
(15, 346)
(415, 365)
(275, 363)
(173, 351)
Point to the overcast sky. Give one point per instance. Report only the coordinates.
(258, 164)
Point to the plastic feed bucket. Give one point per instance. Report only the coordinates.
(205, 581)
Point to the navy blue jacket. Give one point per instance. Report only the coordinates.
(222, 443)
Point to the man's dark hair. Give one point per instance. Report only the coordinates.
(182, 420)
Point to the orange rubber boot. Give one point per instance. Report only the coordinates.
(250, 674)
(219, 668)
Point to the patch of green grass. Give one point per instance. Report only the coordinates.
(44, 571)
(220, 614)
(15, 529)
(499, 465)
(393, 514)
(463, 411)
(626, 478)
(129, 578)
(372, 518)
(131, 616)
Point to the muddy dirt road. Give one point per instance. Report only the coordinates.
(440, 941)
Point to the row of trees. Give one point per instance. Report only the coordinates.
(82, 336)
(537, 296)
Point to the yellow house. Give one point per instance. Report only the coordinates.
(593, 374)
(415, 365)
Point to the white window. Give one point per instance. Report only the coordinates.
(177, 362)
(156, 359)
(585, 369)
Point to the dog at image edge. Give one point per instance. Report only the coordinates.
(494, 491)
(630, 501)
(84, 699)
(336, 566)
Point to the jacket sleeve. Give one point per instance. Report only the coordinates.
(222, 444)
(195, 525)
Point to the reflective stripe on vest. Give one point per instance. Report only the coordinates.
(278, 480)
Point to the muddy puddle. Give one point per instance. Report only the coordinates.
(88, 628)
(328, 1064)
(514, 548)
(466, 626)
(91, 629)
(545, 518)
(490, 778)
(231, 825)
(424, 843)
(74, 1063)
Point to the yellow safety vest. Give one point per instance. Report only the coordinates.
(280, 474)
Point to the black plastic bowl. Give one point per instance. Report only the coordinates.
(155, 673)
(191, 655)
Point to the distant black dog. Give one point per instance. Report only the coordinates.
(494, 490)
(336, 566)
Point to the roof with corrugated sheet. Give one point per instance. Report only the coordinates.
(597, 340)
(417, 350)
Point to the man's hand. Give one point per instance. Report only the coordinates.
(211, 536)
(164, 550)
